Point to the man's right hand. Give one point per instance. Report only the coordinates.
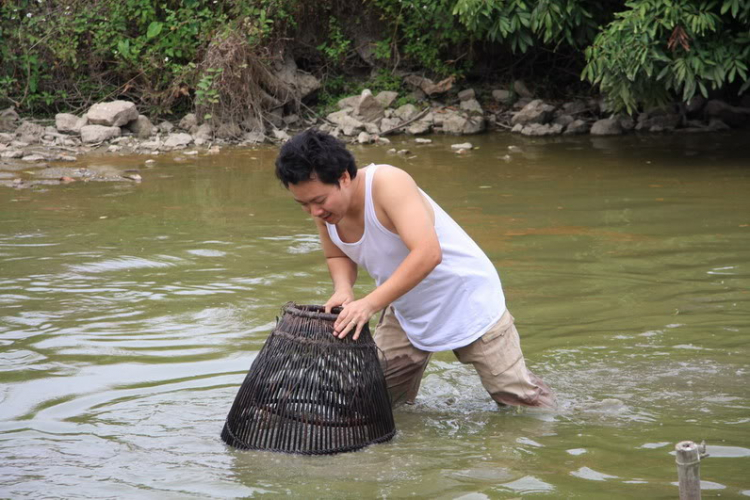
(339, 298)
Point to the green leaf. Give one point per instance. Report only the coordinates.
(154, 29)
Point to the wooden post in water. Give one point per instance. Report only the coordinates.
(689, 470)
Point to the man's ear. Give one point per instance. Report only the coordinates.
(345, 179)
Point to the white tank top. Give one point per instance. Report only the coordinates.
(456, 303)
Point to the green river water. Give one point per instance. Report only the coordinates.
(130, 314)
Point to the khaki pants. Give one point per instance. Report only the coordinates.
(496, 356)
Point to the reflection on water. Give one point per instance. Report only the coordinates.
(129, 316)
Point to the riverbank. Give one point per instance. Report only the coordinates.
(37, 152)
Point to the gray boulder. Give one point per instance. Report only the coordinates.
(6, 138)
(29, 132)
(421, 126)
(9, 120)
(280, 135)
(472, 106)
(203, 134)
(98, 133)
(657, 121)
(372, 128)
(386, 98)
(406, 112)
(564, 120)
(695, 105)
(388, 126)
(348, 102)
(66, 122)
(365, 138)
(577, 107)
(178, 140)
(577, 127)
(501, 95)
(716, 125)
(608, 126)
(466, 95)
(534, 112)
(539, 129)
(369, 108)
(730, 115)
(165, 127)
(459, 124)
(228, 131)
(112, 114)
(521, 89)
(188, 122)
(142, 127)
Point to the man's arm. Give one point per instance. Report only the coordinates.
(342, 269)
(411, 217)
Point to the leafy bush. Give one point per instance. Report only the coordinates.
(659, 48)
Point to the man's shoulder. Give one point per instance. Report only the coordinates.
(388, 175)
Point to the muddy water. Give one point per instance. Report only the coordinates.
(130, 313)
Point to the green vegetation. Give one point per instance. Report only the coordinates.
(216, 55)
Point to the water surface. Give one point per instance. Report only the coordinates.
(130, 314)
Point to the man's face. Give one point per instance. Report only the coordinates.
(328, 202)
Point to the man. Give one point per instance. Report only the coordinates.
(437, 289)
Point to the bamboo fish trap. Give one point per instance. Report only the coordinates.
(311, 393)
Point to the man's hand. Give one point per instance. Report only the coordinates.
(353, 318)
(339, 298)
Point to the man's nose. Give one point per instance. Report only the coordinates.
(317, 210)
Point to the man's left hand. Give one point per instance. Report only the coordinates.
(353, 317)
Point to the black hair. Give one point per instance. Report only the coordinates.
(314, 153)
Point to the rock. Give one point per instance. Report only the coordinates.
(730, 115)
(372, 128)
(383, 140)
(540, 130)
(369, 108)
(521, 90)
(534, 112)
(188, 122)
(275, 117)
(695, 105)
(716, 125)
(501, 95)
(203, 134)
(178, 140)
(420, 140)
(9, 120)
(454, 123)
(280, 135)
(466, 95)
(521, 103)
(165, 127)
(463, 145)
(428, 86)
(472, 106)
(19, 144)
(98, 133)
(391, 151)
(607, 126)
(348, 124)
(255, 137)
(576, 107)
(65, 158)
(35, 157)
(564, 120)
(406, 112)
(112, 114)
(155, 144)
(114, 149)
(348, 102)
(290, 120)
(306, 85)
(403, 152)
(458, 124)
(66, 122)
(626, 122)
(30, 132)
(13, 153)
(142, 127)
(577, 127)
(228, 131)
(365, 138)
(386, 98)
(419, 127)
(658, 120)
(6, 138)
(389, 126)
